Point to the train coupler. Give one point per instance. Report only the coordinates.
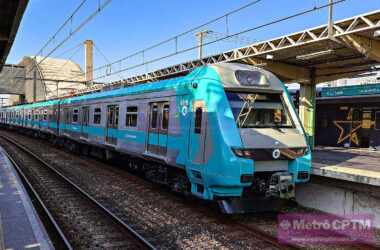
(281, 186)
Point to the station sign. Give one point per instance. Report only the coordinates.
(353, 90)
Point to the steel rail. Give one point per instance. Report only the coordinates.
(264, 236)
(135, 234)
(25, 179)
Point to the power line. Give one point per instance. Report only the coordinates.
(224, 38)
(105, 58)
(69, 50)
(70, 18)
(70, 57)
(99, 8)
(76, 30)
(175, 38)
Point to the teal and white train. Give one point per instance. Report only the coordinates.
(224, 132)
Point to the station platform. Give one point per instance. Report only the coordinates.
(20, 226)
(349, 164)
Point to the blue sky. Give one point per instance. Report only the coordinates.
(126, 26)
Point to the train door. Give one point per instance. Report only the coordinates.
(57, 118)
(65, 119)
(39, 118)
(84, 121)
(112, 124)
(157, 140)
(198, 133)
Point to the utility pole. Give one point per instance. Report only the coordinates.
(330, 20)
(89, 62)
(200, 37)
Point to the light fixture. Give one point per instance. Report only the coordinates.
(269, 57)
(315, 55)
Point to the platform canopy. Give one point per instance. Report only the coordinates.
(11, 12)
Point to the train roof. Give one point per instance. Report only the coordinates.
(223, 72)
(141, 88)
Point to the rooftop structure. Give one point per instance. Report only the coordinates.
(45, 80)
(11, 13)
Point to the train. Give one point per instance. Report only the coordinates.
(225, 132)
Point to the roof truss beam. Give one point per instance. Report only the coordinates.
(287, 71)
(366, 46)
(346, 30)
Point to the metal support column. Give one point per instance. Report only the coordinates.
(307, 108)
(201, 36)
(34, 85)
(330, 19)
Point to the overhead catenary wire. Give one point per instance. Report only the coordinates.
(69, 19)
(104, 57)
(307, 11)
(70, 57)
(76, 30)
(175, 38)
(100, 7)
(69, 50)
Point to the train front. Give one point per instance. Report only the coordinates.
(272, 152)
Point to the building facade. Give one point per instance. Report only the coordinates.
(49, 78)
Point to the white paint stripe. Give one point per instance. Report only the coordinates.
(32, 245)
(353, 171)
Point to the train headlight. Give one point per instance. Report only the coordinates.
(238, 152)
(242, 152)
(247, 153)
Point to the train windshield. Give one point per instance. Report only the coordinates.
(259, 110)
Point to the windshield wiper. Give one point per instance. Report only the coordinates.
(249, 103)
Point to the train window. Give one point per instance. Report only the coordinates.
(153, 122)
(116, 116)
(198, 120)
(66, 113)
(97, 115)
(131, 116)
(85, 115)
(45, 115)
(377, 121)
(165, 117)
(75, 115)
(259, 110)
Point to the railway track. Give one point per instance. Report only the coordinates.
(80, 220)
(169, 221)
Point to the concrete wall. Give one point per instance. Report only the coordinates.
(340, 197)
